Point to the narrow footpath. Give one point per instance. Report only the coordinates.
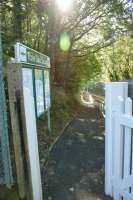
(76, 167)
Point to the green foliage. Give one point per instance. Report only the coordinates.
(84, 69)
(89, 25)
(122, 58)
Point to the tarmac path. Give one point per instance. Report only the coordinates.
(76, 167)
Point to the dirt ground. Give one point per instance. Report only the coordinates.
(76, 167)
(8, 194)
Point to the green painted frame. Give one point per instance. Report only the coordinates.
(33, 68)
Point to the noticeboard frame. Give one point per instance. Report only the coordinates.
(21, 57)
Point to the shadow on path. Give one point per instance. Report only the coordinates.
(76, 167)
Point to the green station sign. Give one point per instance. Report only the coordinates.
(24, 54)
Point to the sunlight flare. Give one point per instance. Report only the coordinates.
(64, 5)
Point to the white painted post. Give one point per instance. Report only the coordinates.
(112, 91)
(127, 142)
(118, 148)
(32, 142)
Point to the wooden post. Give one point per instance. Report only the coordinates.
(28, 133)
(14, 80)
(49, 121)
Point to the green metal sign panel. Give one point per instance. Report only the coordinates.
(24, 54)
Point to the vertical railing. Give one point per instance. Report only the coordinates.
(118, 149)
(123, 145)
(6, 171)
(112, 92)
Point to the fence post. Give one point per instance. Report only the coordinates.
(14, 88)
(112, 92)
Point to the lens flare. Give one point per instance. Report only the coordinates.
(64, 5)
(65, 42)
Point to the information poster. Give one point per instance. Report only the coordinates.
(47, 89)
(28, 80)
(39, 91)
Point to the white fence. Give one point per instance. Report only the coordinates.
(119, 142)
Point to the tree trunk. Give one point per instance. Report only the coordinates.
(17, 11)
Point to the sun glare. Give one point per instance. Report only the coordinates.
(64, 5)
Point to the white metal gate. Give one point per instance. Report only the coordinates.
(119, 142)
